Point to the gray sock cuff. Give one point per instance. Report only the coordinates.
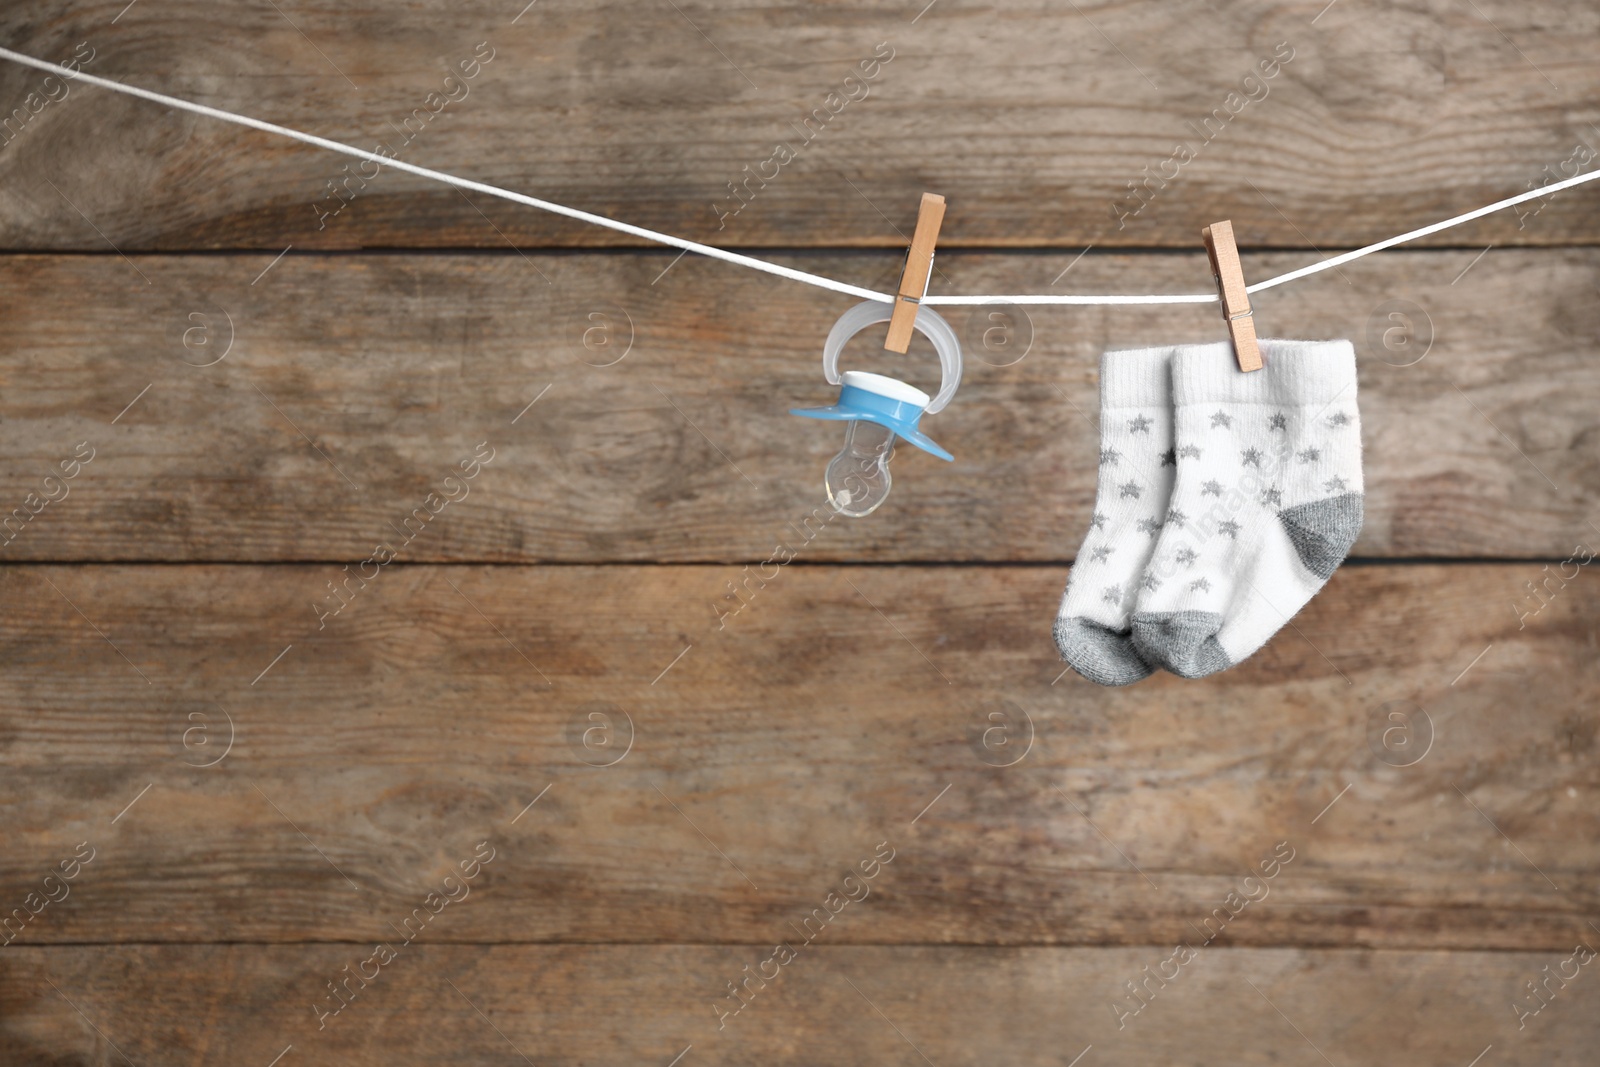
(1293, 373)
(1136, 378)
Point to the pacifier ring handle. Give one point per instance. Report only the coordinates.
(929, 323)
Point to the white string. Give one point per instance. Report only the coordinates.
(1294, 275)
(1057, 298)
(450, 179)
(1340, 260)
(761, 264)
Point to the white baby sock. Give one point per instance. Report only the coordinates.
(1268, 500)
(1137, 464)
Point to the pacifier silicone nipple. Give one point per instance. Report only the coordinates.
(857, 480)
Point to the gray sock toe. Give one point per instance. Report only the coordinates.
(1184, 642)
(1099, 653)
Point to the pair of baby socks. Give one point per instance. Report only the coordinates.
(1225, 500)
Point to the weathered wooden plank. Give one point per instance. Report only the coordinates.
(348, 388)
(601, 1005)
(711, 785)
(1043, 126)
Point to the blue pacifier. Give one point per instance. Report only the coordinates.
(878, 409)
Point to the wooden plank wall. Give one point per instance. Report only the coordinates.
(534, 794)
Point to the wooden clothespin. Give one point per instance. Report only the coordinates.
(1225, 267)
(918, 269)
